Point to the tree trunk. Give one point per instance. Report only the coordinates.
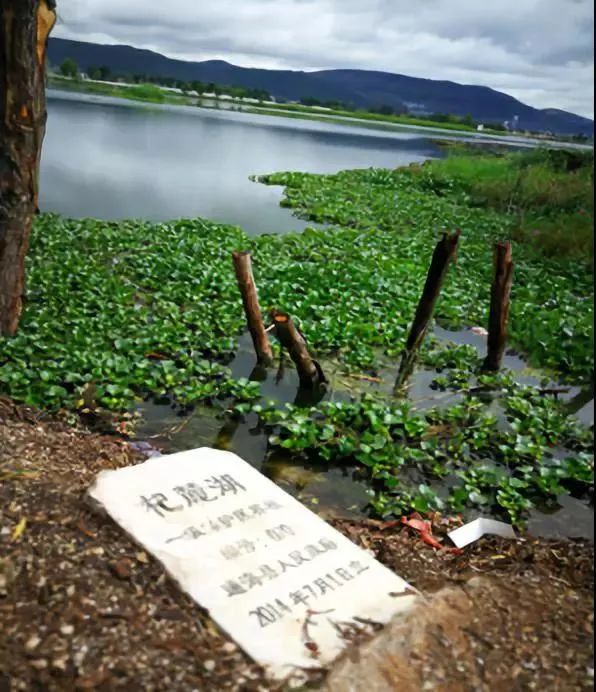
(24, 29)
(443, 255)
(309, 371)
(499, 307)
(250, 300)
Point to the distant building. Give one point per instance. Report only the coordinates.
(480, 128)
(512, 125)
(417, 108)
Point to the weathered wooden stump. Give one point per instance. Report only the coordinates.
(309, 371)
(499, 306)
(444, 253)
(252, 310)
(24, 29)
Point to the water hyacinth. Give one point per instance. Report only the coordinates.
(131, 309)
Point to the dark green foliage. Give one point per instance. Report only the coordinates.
(547, 195)
(139, 308)
(69, 68)
(451, 460)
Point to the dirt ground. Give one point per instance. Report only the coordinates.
(82, 607)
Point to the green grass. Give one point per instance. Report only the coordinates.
(279, 113)
(147, 93)
(137, 308)
(377, 117)
(151, 93)
(547, 194)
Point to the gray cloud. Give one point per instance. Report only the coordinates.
(540, 51)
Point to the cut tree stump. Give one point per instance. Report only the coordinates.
(309, 371)
(444, 253)
(252, 310)
(499, 306)
(24, 29)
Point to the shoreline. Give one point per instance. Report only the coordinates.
(100, 580)
(108, 90)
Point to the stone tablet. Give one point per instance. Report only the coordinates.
(286, 586)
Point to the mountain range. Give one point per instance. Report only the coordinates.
(359, 88)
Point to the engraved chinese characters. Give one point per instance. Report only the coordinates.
(283, 583)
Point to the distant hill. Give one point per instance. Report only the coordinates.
(360, 88)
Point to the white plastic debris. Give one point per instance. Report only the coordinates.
(468, 533)
(481, 331)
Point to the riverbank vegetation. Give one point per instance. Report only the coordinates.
(548, 194)
(188, 95)
(120, 311)
(381, 116)
(148, 93)
(307, 104)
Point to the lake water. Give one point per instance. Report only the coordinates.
(111, 159)
(342, 490)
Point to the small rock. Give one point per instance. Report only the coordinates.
(529, 665)
(60, 663)
(209, 666)
(70, 590)
(121, 568)
(67, 630)
(39, 663)
(7, 575)
(32, 643)
(79, 655)
(229, 647)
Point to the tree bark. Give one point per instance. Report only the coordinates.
(309, 371)
(250, 300)
(499, 306)
(24, 29)
(444, 253)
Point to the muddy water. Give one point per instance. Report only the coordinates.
(337, 490)
(341, 491)
(580, 401)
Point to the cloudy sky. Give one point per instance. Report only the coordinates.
(540, 51)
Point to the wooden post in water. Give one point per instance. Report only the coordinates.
(309, 371)
(499, 306)
(250, 300)
(443, 255)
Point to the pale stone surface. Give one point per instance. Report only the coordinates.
(427, 648)
(281, 582)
